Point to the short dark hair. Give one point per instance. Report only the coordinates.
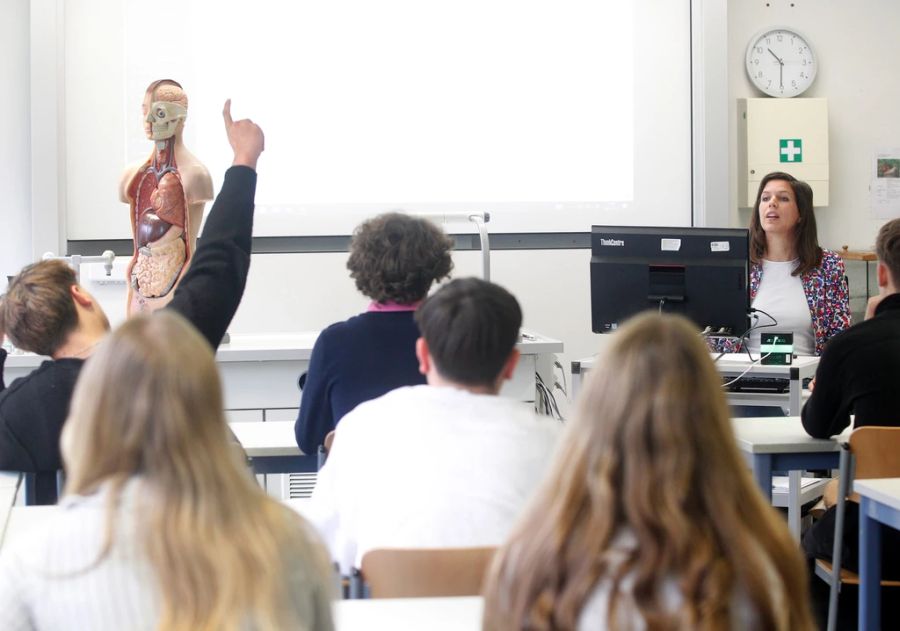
(396, 258)
(38, 312)
(806, 235)
(471, 327)
(887, 248)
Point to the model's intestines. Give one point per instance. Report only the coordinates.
(159, 234)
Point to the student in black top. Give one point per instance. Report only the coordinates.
(858, 374)
(860, 367)
(46, 312)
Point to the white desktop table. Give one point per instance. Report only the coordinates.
(732, 365)
(781, 444)
(272, 447)
(879, 504)
(409, 614)
(260, 372)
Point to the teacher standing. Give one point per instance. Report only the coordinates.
(801, 285)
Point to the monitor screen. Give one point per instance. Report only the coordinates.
(700, 273)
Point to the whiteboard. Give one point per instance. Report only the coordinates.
(551, 115)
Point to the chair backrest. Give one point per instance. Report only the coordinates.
(419, 573)
(876, 452)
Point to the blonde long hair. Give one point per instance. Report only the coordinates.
(149, 404)
(650, 451)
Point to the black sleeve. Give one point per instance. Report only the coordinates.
(14, 456)
(2, 368)
(210, 292)
(827, 411)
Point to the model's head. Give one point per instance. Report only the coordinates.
(165, 109)
(887, 248)
(37, 311)
(784, 206)
(148, 409)
(650, 455)
(396, 258)
(471, 328)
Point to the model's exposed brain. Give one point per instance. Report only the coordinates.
(165, 109)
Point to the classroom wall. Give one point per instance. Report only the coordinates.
(15, 155)
(857, 47)
(551, 284)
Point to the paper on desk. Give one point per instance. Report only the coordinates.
(780, 482)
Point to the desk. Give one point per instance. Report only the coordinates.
(781, 444)
(272, 447)
(732, 365)
(879, 504)
(409, 614)
(259, 372)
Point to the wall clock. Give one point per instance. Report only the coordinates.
(780, 62)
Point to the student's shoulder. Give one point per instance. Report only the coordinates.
(50, 375)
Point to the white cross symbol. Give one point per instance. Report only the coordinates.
(790, 151)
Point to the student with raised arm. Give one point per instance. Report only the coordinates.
(649, 517)
(47, 312)
(162, 525)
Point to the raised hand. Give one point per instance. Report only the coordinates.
(246, 138)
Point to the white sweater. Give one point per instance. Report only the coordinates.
(49, 580)
(426, 467)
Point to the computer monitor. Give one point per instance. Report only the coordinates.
(701, 273)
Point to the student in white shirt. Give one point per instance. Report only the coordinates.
(649, 518)
(162, 525)
(448, 464)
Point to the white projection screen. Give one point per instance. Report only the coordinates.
(552, 115)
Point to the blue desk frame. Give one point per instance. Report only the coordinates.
(764, 465)
(872, 514)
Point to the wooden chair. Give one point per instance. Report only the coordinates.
(425, 572)
(873, 452)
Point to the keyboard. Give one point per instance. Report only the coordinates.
(772, 385)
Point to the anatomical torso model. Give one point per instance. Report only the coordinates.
(166, 195)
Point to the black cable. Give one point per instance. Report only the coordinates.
(754, 328)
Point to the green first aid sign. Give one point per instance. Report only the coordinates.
(790, 150)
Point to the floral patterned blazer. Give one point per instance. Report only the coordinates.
(826, 292)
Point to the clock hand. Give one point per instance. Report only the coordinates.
(775, 56)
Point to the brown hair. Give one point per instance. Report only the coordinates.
(396, 258)
(887, 248)
(806, 240)
(38, 312)
(650, 453)
(223, 552)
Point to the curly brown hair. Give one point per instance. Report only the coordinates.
(396, 258)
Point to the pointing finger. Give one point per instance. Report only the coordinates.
(226, 113)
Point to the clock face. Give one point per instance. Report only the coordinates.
(780, 62)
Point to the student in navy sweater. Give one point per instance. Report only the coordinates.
(394, 259)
